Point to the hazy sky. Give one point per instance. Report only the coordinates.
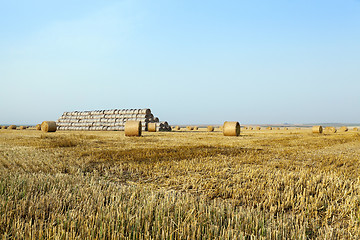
(189, 61)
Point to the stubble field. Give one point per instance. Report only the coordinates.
(179, 185)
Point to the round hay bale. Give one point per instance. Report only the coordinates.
(195, 128)
(245, 128)
(317, 129)
(48, 126)
(250, 128)
(210, 128)
(22, 127)
(231, 129)
(151, 127)
(269, 128)
(344, 129)
(258, 128)
(189, 128)
(355, 129)
(177, 128)
(277, 128)
(12, 127)
(285, 128)
(133, 129)
(3, 127)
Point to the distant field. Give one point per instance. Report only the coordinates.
(179, 185)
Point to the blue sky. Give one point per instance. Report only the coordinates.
(200, 62)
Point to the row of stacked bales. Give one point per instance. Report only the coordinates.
(105, 120)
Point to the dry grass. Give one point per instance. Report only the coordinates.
(178, 185)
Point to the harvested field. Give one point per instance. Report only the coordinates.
(173, 185)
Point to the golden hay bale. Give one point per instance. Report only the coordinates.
(258, 128)
(221, 128)
(12, 127)
(3, 127)
(210, 128)
(133, 129)
(330, 129)
(195, 128)
(48, 126)
(344, 129)
(285, 128)
(177, 128)
(189, 128)
(269, 128)
(355, 129)
(277, 128)
(231, 129)
(38, 126)
(317, 129)
(22, 127)
(151, 127)
(245, 128)
(250, 128)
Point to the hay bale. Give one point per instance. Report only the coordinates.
(317, 129)
(210, 128)
(231, 129)
(151, 127)
(285, 128)
(195, 128)
(344, 129)
(22, 127)
(3, 127)
(189, 128)
(177, 128)
(277, 128)
(245, 128)
(355, 129)
(12, 127)
(331, 129)
(258, 128)
(48, 126)
(269, 128)
(250, 128)
(133, 129)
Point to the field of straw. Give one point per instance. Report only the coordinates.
(179, 185)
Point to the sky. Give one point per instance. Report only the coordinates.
(190, 62)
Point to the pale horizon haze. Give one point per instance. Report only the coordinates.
(190, 62)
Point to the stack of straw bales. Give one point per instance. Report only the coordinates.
(105, 120)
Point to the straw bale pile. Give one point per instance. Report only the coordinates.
(106, 120)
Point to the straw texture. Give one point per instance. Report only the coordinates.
(151, 127)
(48, 126)
(133, 129)
(231, 129)
(317, 129)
